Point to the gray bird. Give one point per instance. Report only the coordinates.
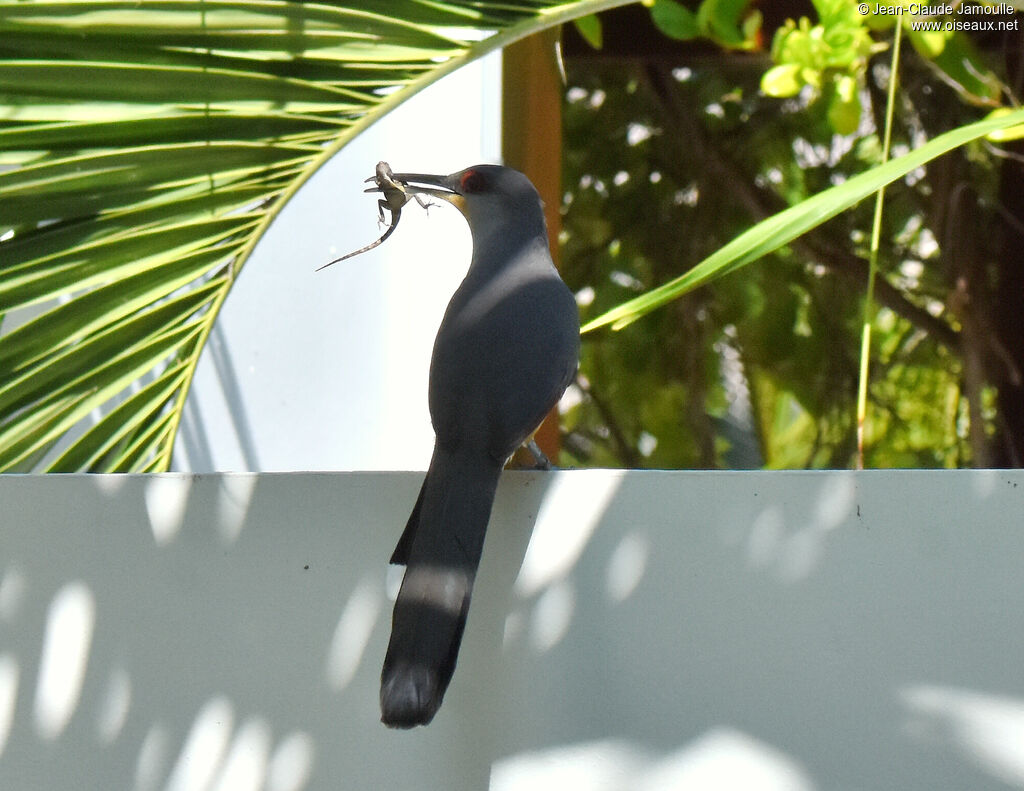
(506, 350)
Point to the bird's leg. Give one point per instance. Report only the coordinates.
(542, 462)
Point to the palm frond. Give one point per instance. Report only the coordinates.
(144, 149)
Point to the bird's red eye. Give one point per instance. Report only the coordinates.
(471, 181)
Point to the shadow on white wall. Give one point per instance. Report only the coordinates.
(659, 630)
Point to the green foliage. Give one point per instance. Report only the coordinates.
(782, 228)
(761, 369)
(674, 20)
(829, 58)
(732, 24)
(589, 27)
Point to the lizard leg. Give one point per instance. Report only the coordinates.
(425, 204)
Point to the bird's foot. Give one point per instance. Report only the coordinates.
(541, 461)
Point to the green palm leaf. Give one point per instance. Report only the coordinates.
(144, 149)
(780, 229)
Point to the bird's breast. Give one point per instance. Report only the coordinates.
(504, 347)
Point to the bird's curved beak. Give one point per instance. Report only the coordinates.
(444, 187)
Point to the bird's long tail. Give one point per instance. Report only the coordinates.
(441, 548)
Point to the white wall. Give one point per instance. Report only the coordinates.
(695, 630)
(327, 370)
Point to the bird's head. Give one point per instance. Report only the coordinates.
(487, 195)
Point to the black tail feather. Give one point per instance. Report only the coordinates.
(413, 684)
(441, 547)
(400, 557)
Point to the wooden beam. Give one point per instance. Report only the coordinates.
(531, 142)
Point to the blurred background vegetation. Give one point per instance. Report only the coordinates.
(686, 124)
